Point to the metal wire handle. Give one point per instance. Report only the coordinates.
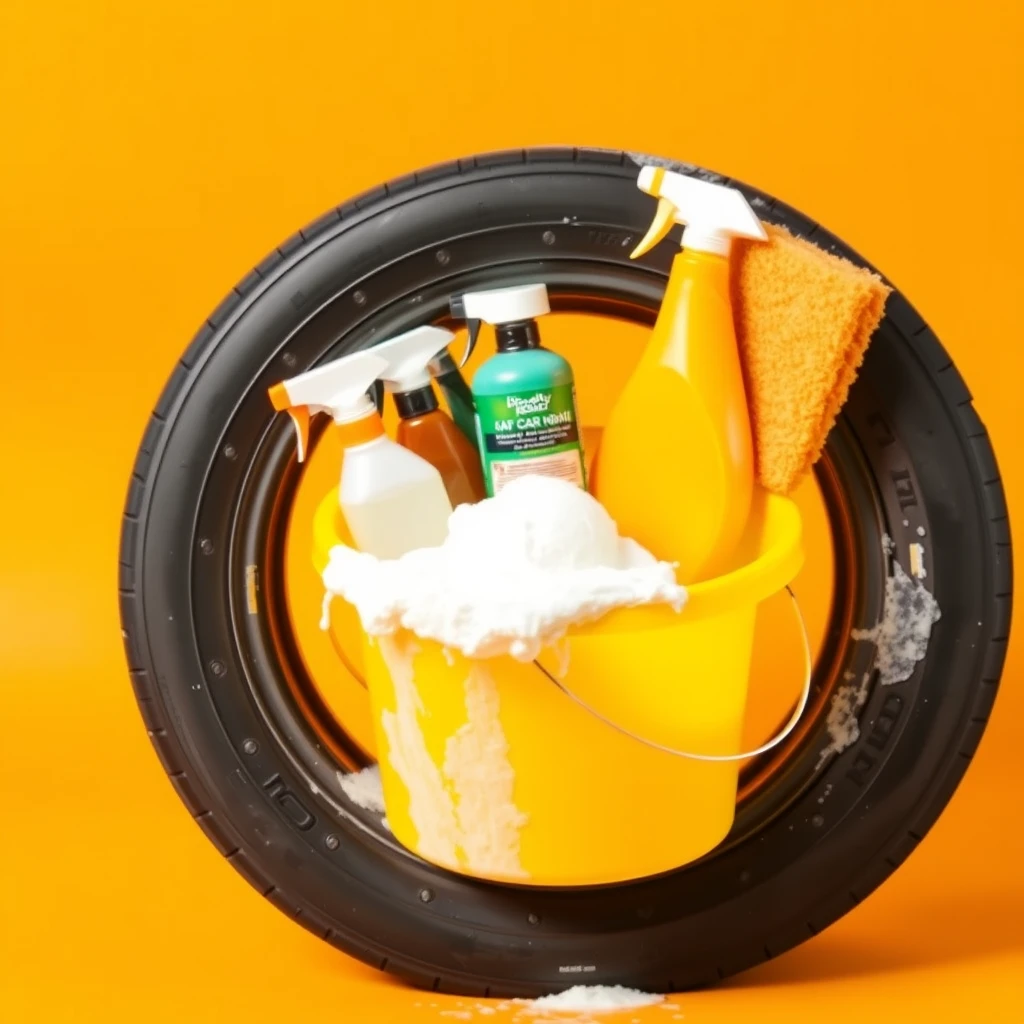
(774, 742)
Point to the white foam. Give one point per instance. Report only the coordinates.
(901, 636)
(513, 574)
(901, 640)
(364, 788)
(594, 998)
(843, 719)
(660, 161)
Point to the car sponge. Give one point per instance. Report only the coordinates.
(804, 318)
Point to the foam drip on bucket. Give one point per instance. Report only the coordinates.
(462, 811)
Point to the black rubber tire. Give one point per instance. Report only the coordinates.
(389, 256)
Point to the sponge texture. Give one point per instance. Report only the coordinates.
(804, 318)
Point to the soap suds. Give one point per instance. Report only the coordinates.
(594, 999)
(901, 636)
(660, 161)
(563, 656)
(464, 815)
(325, 611)
(901, 641)
(842, 721)
(476, 762)
(430, 804)
(364, 788)
(514, 572)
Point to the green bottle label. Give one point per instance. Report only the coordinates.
(530, 432)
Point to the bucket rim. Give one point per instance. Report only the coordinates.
(778, 521)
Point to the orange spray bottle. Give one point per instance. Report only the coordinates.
(675, 468)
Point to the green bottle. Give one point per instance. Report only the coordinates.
(525, 396)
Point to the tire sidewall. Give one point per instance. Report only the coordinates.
(798, 874)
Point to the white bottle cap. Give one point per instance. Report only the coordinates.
(507, 305)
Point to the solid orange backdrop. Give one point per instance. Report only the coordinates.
(152, 153)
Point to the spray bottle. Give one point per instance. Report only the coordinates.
(422, 427)
(525, 396)
(676, 469)
(393, 501)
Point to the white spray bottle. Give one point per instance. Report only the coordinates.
(393, 501)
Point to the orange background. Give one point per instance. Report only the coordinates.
(152, 153)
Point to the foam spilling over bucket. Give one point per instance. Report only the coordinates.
(487, 767)
(515, 572)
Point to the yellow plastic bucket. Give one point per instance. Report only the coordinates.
(491, 770)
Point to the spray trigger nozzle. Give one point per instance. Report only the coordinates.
(300, 420)
(299, 415)
(664, 221)
(457, 307)
(472, 334)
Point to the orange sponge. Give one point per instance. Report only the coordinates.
(804, 318)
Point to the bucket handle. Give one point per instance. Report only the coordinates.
(764, 748)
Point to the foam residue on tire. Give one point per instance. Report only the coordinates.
(679, 166)
(901, 636)
(901, 640)
(364, 788)
(843, 719)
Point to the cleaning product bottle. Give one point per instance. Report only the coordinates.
(393, 501)
(675, 468)
(446, 372)
(525, 395)
(422, 427)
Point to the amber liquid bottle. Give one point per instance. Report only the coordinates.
(424, 429)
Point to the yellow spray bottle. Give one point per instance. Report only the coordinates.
(675, 468)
